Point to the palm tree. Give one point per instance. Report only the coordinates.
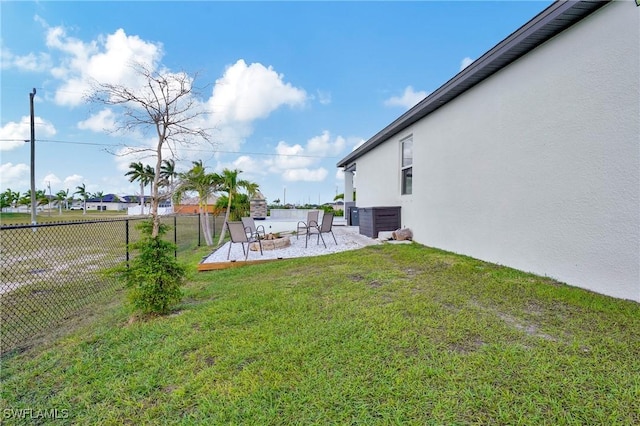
(15, 197)
(168, 173)
(99, 195)
(252, 188)
(84, 195)
(61, 196)
(230, 185)
(10, 198)
(139, 173)
(149, 174)
(205, 184)
(24, 199)
(166, 179)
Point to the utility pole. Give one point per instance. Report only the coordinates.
(33, 159)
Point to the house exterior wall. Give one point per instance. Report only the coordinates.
(537, 167)
(107, 206)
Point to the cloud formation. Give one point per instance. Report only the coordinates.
(296, 163)
(102, 121)
(13, 135)
(408, 98)
(30, 62)
(14, 175)
(107, 60)
(248, 92)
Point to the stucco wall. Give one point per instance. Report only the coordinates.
(538, 167)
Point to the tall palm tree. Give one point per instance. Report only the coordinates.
(61, 196)
(230, 184)
(205, 184)
(166, 179)
(168, 173)
(41, 198)
(138, 173)
(15, 197)
(149, 175)
(252, 188)
(10, 198)
(84, 195)
(99, 195)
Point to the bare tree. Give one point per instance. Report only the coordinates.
(167, 104)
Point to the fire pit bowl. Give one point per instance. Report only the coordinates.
(273, 243)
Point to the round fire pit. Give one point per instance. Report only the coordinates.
(271, 244)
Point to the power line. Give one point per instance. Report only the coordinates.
(185, 149)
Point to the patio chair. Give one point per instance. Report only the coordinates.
(324, 228)
(312, 220)
(238, 234)
(251, 229)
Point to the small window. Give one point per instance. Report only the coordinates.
(407, 165)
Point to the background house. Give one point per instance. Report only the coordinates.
(189, 205)
(111, 202)
(530, 156)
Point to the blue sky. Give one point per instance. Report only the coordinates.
(293, 86)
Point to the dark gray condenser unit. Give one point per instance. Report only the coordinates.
(376, 219)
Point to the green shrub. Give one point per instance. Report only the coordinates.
(154, 276)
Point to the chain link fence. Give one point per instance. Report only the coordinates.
(49, 272)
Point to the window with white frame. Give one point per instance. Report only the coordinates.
(406, 170)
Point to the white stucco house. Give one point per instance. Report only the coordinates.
(530, 156)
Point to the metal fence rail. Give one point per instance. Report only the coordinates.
(49, 272)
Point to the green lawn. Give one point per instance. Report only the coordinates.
(392, 334)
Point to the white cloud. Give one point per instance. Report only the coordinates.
(14, 175)
(408, 99)
(13, 135)
(301, 163)
(340, 175)
(323, 145)
(51, 179)
(246, 93)
(465, 63)
(29, 62)
(100, 122)
(247, 165)
(289, 157)
(305, 175)
(106, 60)
(72, 182)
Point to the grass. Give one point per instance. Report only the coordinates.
(392, 334)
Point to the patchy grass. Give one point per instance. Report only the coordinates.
(392, 334)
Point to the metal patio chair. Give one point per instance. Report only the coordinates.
(324, 228)
(238, 234)
(312, 220)
(251, 228)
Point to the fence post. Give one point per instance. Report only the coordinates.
(175, 236)
(199, 230)
(126, 233)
